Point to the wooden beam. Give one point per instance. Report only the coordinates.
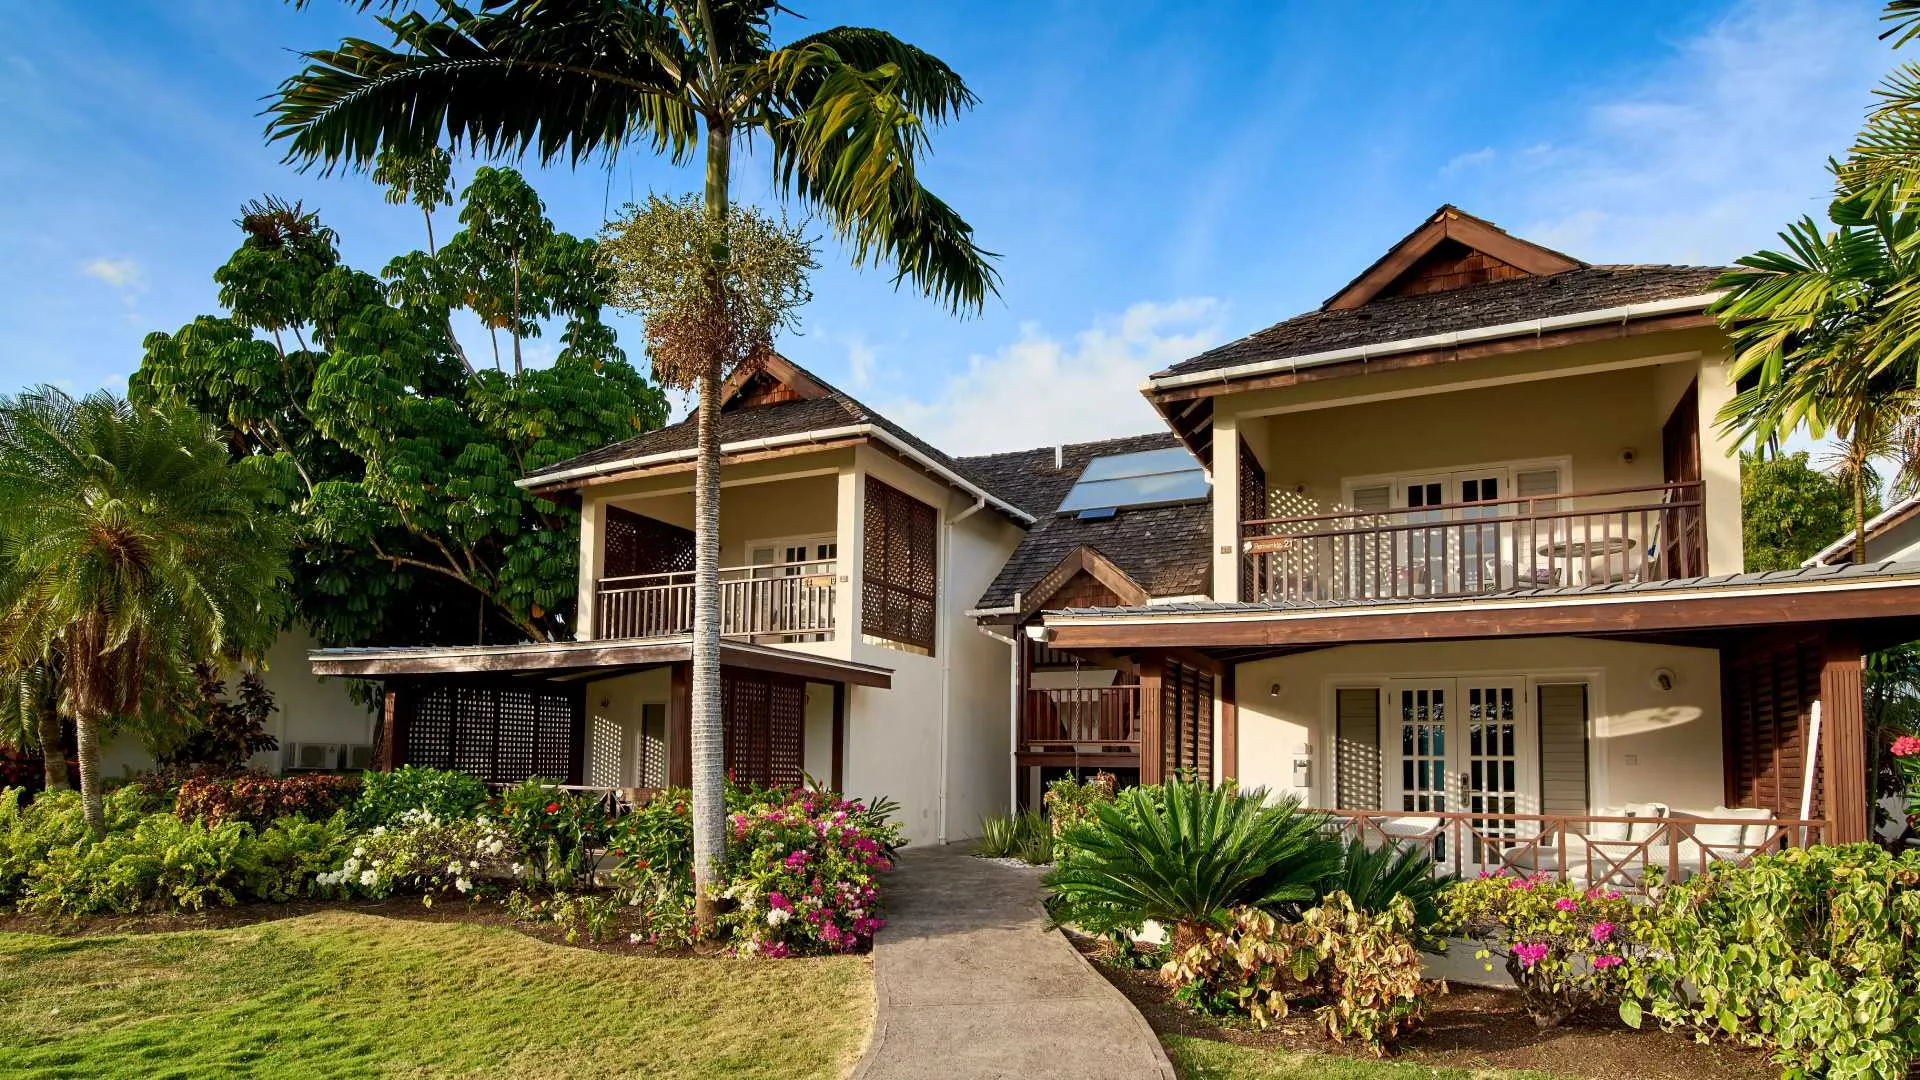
(671, 468)
(839, 769)
(1843, 742)
(680, 726)
(1565, 616)
(393, 730)
(1520, 342)
(1152, 724)
(1229, 726)
(599, 659)
(1068, 759)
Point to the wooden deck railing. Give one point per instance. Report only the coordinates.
(1459, 549)
(1082, 717)
(780, 602)
(1579, 849)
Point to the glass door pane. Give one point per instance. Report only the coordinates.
(1497, 780)
(1423, 746)
(1479, 537)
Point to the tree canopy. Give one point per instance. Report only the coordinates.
(1790, 510)
(395, 451)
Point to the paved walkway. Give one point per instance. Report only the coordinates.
(971, 985)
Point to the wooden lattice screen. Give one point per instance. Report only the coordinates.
(1186, 720)
(900, 570)
(765, 720)
(501, 734)
(1767, 694)
(637, 544)
(1252, 490)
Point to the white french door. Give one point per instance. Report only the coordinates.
(1465, 744)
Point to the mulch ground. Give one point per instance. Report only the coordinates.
(1469, 1027)
(444, 909)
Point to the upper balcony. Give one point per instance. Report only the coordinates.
(771, 603)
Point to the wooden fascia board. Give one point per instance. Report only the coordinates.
(802, 384)
(1582, 335)
(1478, 621)
(1448, 224)
(613, 658)
(1098, 566)
(1390, 266)
(687, 465)
(1508, 248)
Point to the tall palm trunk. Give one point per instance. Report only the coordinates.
(86, 732)
(1859, 514)
(88, 668)
(52, 752)
(709, 751)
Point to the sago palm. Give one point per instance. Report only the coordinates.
(1186, 854)
(130, 549)
(30, 715)
(1816, 336)
(843, 116)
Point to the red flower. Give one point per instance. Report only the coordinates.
(1906, 746)
(553, 808)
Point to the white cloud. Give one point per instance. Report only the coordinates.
(1469, 160)
(1713, 150)
(1041, 389)
(861, 356)
(125, 276)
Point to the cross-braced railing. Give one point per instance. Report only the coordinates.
(771, 603)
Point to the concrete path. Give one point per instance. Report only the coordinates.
(971, 985)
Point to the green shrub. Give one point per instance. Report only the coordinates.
(1069, 802)
(656, 841)
(999, 837)
(1185, 855)
(803, 875)
(52, 821)
(1362, 969)
(596, 916)
(1812, 954)
(1025, 836)
(1373, 878)
(554, 829)
(160, 863)
(429, 855)
(1564, 946)
(290, 855)
(259, 798)
(444, 793)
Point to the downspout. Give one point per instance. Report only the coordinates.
(946, 659)
(1013, 713)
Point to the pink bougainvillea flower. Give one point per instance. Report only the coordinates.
(1567, 903)
(1906, 746)
(1601, 931)
(1607, 961)
(1530, 953)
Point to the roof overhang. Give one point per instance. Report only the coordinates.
(1877, 526)
(577, 659)
(1883, 606)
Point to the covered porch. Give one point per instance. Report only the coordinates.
(607, 716)
(1609, 735)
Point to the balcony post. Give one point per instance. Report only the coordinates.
(1229, 725)
(593, 551)
(1153, 669)
(839, 736)
(1843, 743)
(680, 725)
(1225, 468)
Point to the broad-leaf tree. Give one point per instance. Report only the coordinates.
(132, 547)
(395, 452)
(1789, 509)
(842, 117)
(1811, 338)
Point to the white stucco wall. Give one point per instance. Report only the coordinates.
(1646, 745)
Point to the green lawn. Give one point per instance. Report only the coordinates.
(341, 994)
(1203, 1059)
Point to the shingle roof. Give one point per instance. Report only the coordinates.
(1808, 575)
(1163, 548)
(1397, 318)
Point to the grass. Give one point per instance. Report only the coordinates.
(1204, 1059)
(341, 994)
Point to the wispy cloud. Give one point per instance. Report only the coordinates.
(124, 276)
(1713, 150)
(1042, 389)
(1469, 160)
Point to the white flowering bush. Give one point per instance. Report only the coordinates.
(422, 852)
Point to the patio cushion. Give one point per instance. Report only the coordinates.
(1727, 837)
(1650, 810)
(1757, 835)
(1608, 830)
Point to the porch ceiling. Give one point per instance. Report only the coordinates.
(568, 660)
(1875, 603)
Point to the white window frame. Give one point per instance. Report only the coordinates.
(1397, 482)
(811, 541)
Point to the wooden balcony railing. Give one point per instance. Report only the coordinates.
(1629, 854)
(780, 602)
(1103, 718)
(1460, 549)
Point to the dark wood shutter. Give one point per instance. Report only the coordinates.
(1356, 767)
(1252, 489)
(900, 572)
(1767, 695)
(1562, 713)
(501, 734)
(765, 720)
(1186, 725)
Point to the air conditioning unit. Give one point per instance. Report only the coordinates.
(307, 755)
(359, 757)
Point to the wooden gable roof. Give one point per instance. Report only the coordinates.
(1452, 249)
(775, 380)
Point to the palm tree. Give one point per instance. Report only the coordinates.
(130, 549)
(30, 716)
(844, 115)
(1813, 339)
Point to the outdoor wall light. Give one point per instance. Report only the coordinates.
(1664, 680)
(1274, 690)
(1040, 632)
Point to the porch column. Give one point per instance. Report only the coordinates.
(839, 771)
(680, 725)
(1153, 670)
(1843, 742)
(392, 730)
(593, 550)
(1229, 725)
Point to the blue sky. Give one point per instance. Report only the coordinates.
(1154, 185)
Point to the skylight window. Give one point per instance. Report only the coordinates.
(1148, 478)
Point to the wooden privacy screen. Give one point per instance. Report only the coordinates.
(1767, 695)
(765, 717)
(900, 569)
(501, 734)
(1186, 721)
(636, 544)
(1253, 506)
